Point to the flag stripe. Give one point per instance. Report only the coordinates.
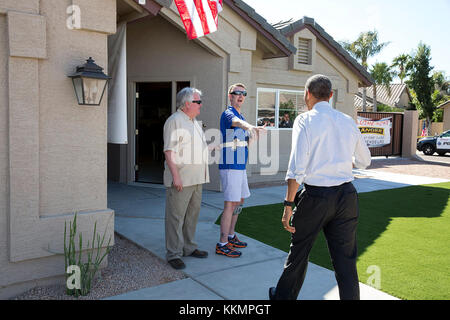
(214, 11)
(200, 17)
(212, 24)
(186, 18)
(195, 19)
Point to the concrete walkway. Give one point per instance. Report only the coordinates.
(139, 217)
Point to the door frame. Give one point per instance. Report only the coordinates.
(131, 149)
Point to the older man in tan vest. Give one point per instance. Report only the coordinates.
(186, 170)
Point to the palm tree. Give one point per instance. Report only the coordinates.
(364, 47)
(440, 82)
(400, 62)
(382, 75)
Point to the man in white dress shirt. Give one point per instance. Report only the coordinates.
(326, 144)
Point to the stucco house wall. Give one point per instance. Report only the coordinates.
(404, 100)
(157, 50)
(447, 118)
(52, 151)
(446, 115)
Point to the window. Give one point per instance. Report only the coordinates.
(278, 108)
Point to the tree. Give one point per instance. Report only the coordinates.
(421, 81)
(440, 82)
(364, 47)
(400, 62)
(382, 75)
(440, 94)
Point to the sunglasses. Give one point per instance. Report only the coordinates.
(197, 101)
(239, 93)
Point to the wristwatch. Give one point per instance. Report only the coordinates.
(288, 203)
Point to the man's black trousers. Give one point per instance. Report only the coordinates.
(335, 210)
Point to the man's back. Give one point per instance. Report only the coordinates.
(327, 140)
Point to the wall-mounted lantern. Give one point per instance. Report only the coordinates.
(89, 83)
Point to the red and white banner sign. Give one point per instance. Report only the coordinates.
(199, 17)
(376, 133)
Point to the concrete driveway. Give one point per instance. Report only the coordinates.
(434, 158)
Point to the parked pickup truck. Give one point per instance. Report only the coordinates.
(439, 144)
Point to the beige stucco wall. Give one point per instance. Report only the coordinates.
(404, 100)
(409, 139)
(4, 160)
(446, 121)
(436, 127)
(52, 151)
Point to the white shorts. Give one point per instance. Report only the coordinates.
(234, 184)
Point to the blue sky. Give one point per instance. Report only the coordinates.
(403, 23)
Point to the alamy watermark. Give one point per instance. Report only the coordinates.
(374, 279)
(236, 148)
(74, 280)
(74, 19)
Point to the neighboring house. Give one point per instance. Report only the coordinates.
(446, 119)
(397, 97)
(55, 158)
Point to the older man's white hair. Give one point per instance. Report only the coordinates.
(186, 95)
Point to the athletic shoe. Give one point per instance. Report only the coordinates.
(235, 242)
(227, 250)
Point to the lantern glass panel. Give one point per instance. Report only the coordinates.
(92, 90)
(78, 83)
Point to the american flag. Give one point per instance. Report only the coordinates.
(424, 130)
(199, 17)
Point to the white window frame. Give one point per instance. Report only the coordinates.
(277, 104)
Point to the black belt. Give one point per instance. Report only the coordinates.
(308, 186)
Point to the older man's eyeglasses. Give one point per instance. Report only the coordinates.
(197, 101)
(239, 93)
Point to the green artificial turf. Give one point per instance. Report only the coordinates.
(404, 233)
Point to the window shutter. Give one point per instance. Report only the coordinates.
(304, 51)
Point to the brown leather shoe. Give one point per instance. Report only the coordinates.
(177, 264)
(199, 254)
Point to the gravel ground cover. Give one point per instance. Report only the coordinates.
(130, 268)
